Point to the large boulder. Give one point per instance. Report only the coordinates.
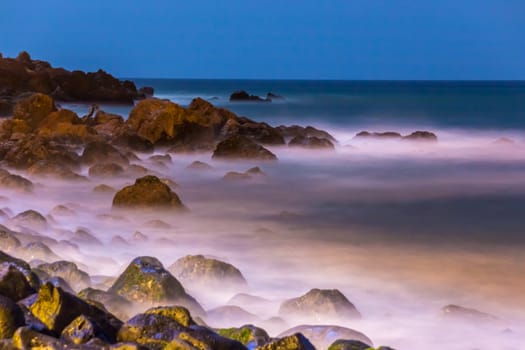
(248, 335)
(230, 316)
(33, 109)
(114, 303)
(421, 136)
(241, 147)
(147, 192)
(145, 281)
(56, 309)
(311, 142)
(102, 152)
(11, 317)
(196, 271)
(322, 336)
(320, 305)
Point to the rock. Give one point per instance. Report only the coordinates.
(421, 136)
(311, 142)
(105, 170)
(157, 224)
(69, 271)
(323, 336)
(466, 314)
(102, 152)
(255, 171)
(56, 309)
(139, 237)
(198, 165)
(23, 267)
(13, 282)
(27, 338)
(30, 219)
(343, 344)
(146, 91)
(235, 176)
(248, 335)
(84, 236)
(241, 147)
(320, 305)
(104, 189)
(161, 158)
(11, 317)
(38, 250)
(114, 303)
(179, 314)
(230, 315)
(147, 192)
(65, 126)
(382, 135)
(33, 109)
(274, 97)
(292, 342)
(293, 131)
(62, 210)
(159, 331)
(258, 132)
(8, 240)
(51, 169)
(81, 330)
(17, 183)
(198, 271)
(137, 170)
(146, 281)
(242, 95)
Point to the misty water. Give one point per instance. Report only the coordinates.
(401, 228)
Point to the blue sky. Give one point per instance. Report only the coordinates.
(288, 39)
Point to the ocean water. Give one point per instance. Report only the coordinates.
(401, 228)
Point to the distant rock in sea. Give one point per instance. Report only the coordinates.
(242, 95)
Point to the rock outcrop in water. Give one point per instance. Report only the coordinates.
(243, 96)
(241, 147)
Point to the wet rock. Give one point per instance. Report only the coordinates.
(11, 317)
(114, 303)
(84, 236)
(65, 126)
(243, 96)
(248, 335)
(198, 165)
(197, 271)
(241, 147)
(320, 305)
(102, 152)
(146, 281)
(56, 309)
(159, 331)
(323, 336)
(343, 344)
(230, 315)
(105, 170)
(274, 97)
(466, 314)
(13, 282)
(104, 189)
(27, 338)
(258, 132)
(50, 169)
(69, 272)
(33, 109)
(148, 191)
(81, 330)
(311, 142)
(290, 132)
(292, 342)
(380, 135)
(179, 314)
(421, 136)
(30, 219)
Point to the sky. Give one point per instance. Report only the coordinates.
(287, 39)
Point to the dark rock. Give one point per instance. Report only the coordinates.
(311, 142)
(11, 317)
(33, 109)
(293, 131)
(148, 191)
(165, 158)
(146, 281)
(197, 270)
(421, 136)
(235, 176)
(179, 314)
(51, 169)
(105, 170)
(23, 267)
(244, 96)
(292, 342)
(274, 97)
(81, 330)
(248, 335)
(322, 336)
(8, 239)
(320, 304)
(240, 147)
(102, 152)
(114, 303)
(146, 91)
(27, 338)
(56, 309)
(13, 282)
(383, 135)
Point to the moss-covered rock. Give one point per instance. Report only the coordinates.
(195, 270)
(248, 335)
(56, 309)
(291, 342)
(17, 183)
(148, 191)
(343, 344)
(146, 281)
(11, 317)
(319, 305)
(241, 147)
(324, 335)
(177, 313)
(27, 338)
(114, 303)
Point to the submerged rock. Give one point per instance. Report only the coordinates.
(241, 147)
(421, 136)
(242, 95)
(105, 170)
(33, 109)
(114, 303)
(69, 272)
(148, 191)
(14, 283)
(198, 165)
(102, 152)
(146, 281)
(311, 142)
(318, 305)
(343, 344)
(379, 135)
(322, 336)
(466, 314)
(16, 182)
